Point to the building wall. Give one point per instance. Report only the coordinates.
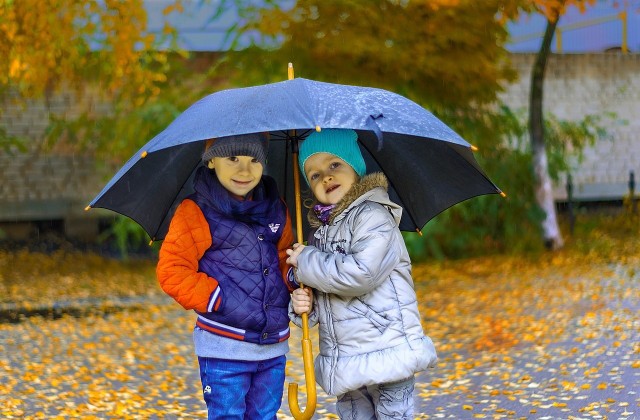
(577, 85)
(38, 184)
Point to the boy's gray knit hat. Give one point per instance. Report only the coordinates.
(254, 145)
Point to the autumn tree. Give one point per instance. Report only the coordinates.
(48, 45)
(444, 54)
(552, 10)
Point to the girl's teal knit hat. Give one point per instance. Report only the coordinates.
(340, 142)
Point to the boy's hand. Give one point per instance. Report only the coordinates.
(293, 254)
(302, 300)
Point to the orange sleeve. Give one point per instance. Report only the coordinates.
(285, 242)
(186, 242)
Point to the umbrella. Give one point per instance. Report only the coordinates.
(429, 167)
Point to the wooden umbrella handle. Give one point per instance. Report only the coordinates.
(310, 381)
(307, 353)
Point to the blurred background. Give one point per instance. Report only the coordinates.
(79, 98)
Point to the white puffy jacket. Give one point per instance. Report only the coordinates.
(364, 300)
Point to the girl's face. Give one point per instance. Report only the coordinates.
(238, 174)
(330, 177)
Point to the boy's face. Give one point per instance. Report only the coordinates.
(238, 174)
(330, 177)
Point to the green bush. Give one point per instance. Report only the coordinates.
(495, 224)
(127, 236)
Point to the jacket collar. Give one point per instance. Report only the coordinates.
(364, 185)
(263, 197)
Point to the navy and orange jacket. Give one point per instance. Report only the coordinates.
(226, 259)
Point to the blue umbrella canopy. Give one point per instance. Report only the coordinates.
(429, 166)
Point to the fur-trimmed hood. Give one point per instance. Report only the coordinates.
(372, 187)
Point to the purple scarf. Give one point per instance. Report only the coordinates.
(323, 212)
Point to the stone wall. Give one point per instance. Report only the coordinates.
(577, 85)
(38, 184)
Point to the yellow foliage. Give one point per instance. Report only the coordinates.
(440, 53)
(46, 44)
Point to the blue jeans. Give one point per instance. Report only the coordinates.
(389, 401)
(238, 389)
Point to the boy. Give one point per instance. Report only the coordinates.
(224, 257)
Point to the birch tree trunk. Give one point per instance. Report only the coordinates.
(543, 189)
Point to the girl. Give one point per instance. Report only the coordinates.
(371, 339)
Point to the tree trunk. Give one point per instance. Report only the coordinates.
(543, 190)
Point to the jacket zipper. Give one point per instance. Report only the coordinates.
(334, 350)
(334, 341)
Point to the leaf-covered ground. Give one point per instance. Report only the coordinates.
(556, 336)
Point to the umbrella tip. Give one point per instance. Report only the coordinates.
(419, 231)
(290, 71)
(151, 242)
(87, 208)
(474, 148)
(502, 193)
(318, 129)
(143, 154)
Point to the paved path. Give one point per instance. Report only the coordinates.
(135, 360)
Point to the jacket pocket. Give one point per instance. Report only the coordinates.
(234, 299)
(216, 302)
(380, 322)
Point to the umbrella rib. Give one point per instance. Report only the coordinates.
(498, 190)
(155, 234)
(408, 211)
(451, 146)
(279, 135)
